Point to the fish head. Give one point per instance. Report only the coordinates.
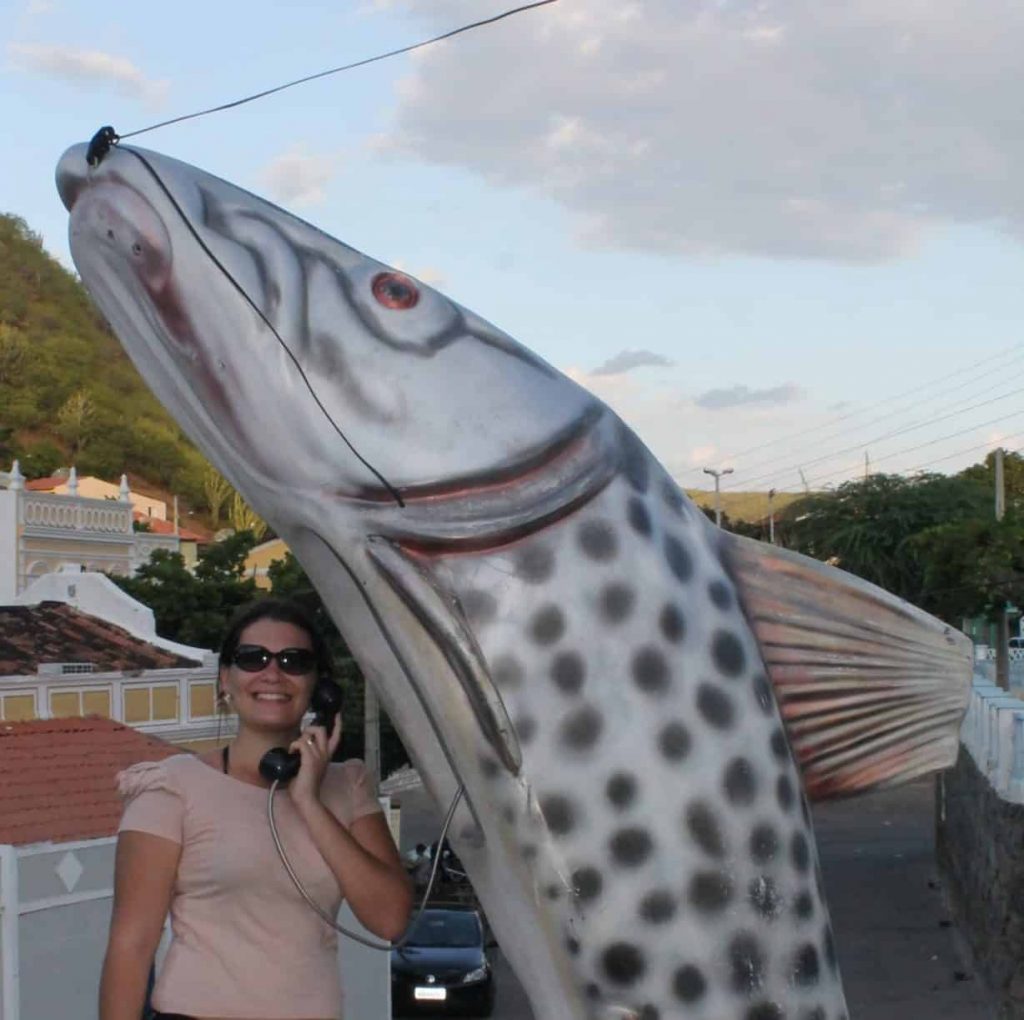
(293, 360)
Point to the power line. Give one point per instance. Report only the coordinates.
(1017, 349)
(878, 439)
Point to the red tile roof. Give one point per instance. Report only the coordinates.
(45, 484)
(56, 632)
(57, 777)
(159, 527)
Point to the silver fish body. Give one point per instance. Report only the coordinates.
(548, 620)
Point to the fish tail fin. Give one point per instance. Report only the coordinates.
(872, 688)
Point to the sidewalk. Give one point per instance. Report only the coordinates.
(900, 958)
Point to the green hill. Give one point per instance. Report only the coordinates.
(744, 506)
(68, 392)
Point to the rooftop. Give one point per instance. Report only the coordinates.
(57, 777)
(159, 527)
(50, 632)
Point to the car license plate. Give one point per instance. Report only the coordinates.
(430, 994)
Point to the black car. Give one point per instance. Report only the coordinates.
(443, 967)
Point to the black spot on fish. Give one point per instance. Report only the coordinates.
(587, 884)
(535, 564)
(507, 672)
(630, 847)
(817, 1013)
(623, 963)
(718, 592)
(805, 809)
(672, 624)
(678, 558)
(567, 670)
(581, 729)
(704, 828)
(597, 540)
(715, 706)
(674, 741)
(639, 518)
(508, 814)
(764, 897)
(547, 625)
(784, 792)
(635, 460)
(559, 813)
(673, 498)
(710, 891)
(592, 990)
(765, 1011)
(650, 671)
(800, 852)
(490, 768)
(525, 727)
(740, 782)
(728, 653)
(617, 601)
(649, 1012)
(803, 906)
(746, 959)
(764, 843)
(479, 606)
(658, 907)
(573, 945)
(529, 852)
(763, 693)
(621, 790)
(780, 747)
(689, 985)
(553, 892)
(806, 969)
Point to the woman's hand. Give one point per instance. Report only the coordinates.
(316, 748)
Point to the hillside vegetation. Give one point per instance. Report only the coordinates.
(68, 392)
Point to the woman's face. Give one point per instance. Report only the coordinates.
(270, 699)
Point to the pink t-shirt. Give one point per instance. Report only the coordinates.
(245, 943)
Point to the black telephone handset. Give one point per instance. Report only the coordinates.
(278, 764)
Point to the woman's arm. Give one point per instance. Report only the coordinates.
(144, 873)
(365, 862)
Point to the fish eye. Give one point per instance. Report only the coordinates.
(392, 290)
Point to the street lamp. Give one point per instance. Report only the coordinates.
(718, 502)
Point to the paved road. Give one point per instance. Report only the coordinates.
(900, 957)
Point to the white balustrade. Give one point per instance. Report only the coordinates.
(73, 513)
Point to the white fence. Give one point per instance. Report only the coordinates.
(993, 734)
(55, 901)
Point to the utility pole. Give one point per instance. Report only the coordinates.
(718, 498)
(807, 488)
(1002, 621)
(771, 517)
(867, 466)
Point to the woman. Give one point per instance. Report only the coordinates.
(195, 840)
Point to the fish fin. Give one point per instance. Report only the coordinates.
(441, 616)
(872, 688)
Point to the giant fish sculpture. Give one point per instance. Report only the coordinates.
(634, 700)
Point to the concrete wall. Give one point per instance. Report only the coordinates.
(980, 841)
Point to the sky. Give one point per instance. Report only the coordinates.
(778, 236)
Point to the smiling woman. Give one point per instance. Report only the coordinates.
(194, 839)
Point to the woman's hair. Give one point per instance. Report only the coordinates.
(283, 611)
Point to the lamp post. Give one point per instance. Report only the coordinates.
(718, 501)
(771, 516)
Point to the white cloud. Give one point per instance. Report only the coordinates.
(625, 361)
(787, 128)
(738, 396)
(77, 65)
(298, 178)
(36, 7)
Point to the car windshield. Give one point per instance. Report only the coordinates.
(459, 931)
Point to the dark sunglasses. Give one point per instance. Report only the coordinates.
(293, 661)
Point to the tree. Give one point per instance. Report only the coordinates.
(75, 421)
(13, 353)
(216, 491)
(242, 517)
(194, 608)
(972, 567)
(866, 526)
(289, 580)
